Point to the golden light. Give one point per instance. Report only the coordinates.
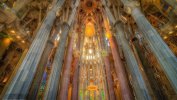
(5, 80)
(28, 32)
(90, 29)
(92, 88)
(12, 31)
(165, 37)
(108, 32)
(7, 41)
(23, 41)
(171, 32)
(18, 37)
(108, 35)
(90, 51)
(93, 57)
(176, 26)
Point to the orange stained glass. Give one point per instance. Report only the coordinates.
(108, 35)
(107, 27)
(90, 29)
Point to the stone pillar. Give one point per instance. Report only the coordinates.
(65, 80)
(163, 54)
(54, 79)
(139, 84)
(18, 88)
(119, 68)
(52, 85)
(32, 94)
(120, 71)
(7, 14)
(42, 65)
(109, 79)
(75, 83)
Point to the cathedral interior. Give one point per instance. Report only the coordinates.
(88, 49)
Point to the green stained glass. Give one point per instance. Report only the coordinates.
(102, 95)
(80, 92)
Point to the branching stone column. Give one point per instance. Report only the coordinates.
(21, 82)
(53, 82)
(164, 55)
(140, 87)
(120, 71)
(109, 79)
(52, 85)
(42, 65)
(139, 84)
(119, 68)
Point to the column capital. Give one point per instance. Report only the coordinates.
(65, 24)
(118, 22)
(131, 5)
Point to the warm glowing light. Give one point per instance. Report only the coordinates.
(165, 37)
(5, 80)
(108, 35)
(18, 37)
(108, 32)
(92, 88)
(90, 51)
(90, 29)
(93, 57)
(28, 32)
(23, 41)
(171, 32)
(7, 41)
(176, 26)
(12, 31)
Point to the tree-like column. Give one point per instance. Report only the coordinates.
(54, 79)
(163, 54)
(21, 82)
